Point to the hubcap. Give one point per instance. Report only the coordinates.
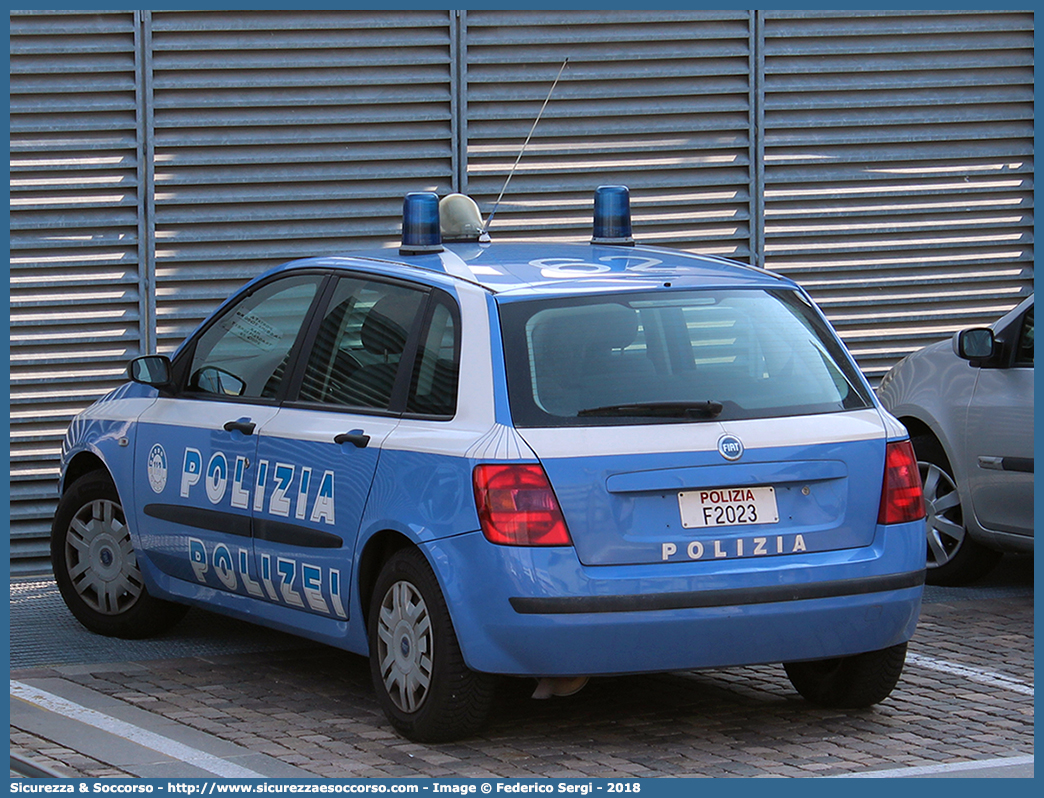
(404, 646)
(100, 559)
(945, 521)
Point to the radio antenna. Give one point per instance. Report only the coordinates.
(489, 219)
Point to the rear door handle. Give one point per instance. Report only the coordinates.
(243, 425)
(356, 437)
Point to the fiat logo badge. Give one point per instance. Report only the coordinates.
(730, 447)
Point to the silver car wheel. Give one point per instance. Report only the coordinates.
(100, 558)
(945, 522)
(404, 646)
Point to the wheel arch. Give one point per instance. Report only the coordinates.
(81, 464)
(976, 536)
(380, 546)
(88, 481)
(919, 428)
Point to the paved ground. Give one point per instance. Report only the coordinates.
(217, 695)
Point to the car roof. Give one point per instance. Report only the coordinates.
(526, 270)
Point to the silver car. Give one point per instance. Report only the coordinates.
(968, 404)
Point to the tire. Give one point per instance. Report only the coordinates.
(96, 568)
(854, 682)
(419, 675)
(954, 558)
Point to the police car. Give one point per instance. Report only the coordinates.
(468, 459)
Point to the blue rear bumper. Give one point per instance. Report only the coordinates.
(539, 612)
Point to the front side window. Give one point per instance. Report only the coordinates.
(245, 352)
(689, 355)
(1024, 355)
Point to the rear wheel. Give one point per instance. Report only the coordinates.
(953, 557)
(853, 682)
(96, 568)
(422, 683)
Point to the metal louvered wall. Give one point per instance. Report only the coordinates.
(898, 170)
(281, 134)
(160, 159)
(659, 101)
(77, 298)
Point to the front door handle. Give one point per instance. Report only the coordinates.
(245, 426)
(356, 437)
(1023, 464)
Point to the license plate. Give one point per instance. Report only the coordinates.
(727, 507)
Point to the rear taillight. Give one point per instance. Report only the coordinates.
(901, 497)
(517, 507)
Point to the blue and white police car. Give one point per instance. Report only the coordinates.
(469, 459)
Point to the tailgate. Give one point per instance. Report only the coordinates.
(663, 492)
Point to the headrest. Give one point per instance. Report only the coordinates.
(615, 326)
(384, 329)
(587, 328)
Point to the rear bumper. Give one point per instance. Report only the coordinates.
(539, 612)
(728, 597)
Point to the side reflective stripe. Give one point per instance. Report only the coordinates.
(213, 520)
(295, 535)
(240, 526)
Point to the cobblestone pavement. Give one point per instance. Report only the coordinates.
(966, 694)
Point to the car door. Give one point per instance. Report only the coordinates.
(1000, 437)
(195, 524)
(317, 456)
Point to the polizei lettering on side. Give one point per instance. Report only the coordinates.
(285, 580)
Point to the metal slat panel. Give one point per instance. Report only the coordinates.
(899, 170)
(283, 134)
(659, 101)
(75, 301)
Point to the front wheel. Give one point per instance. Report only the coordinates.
(954, 558)
(422, 683)
(96, 568)
(853, 682)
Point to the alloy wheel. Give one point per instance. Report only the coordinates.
(945, 522)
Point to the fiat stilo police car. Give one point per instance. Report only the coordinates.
(468, 459)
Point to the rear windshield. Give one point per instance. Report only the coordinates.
(673, 356)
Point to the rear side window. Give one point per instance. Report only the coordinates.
(673, 356)
(362, 337)
(433, 389)
(364, 344)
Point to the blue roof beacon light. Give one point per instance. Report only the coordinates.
(421, 230)
(612, 216)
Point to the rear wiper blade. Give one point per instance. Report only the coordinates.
(704, 409)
